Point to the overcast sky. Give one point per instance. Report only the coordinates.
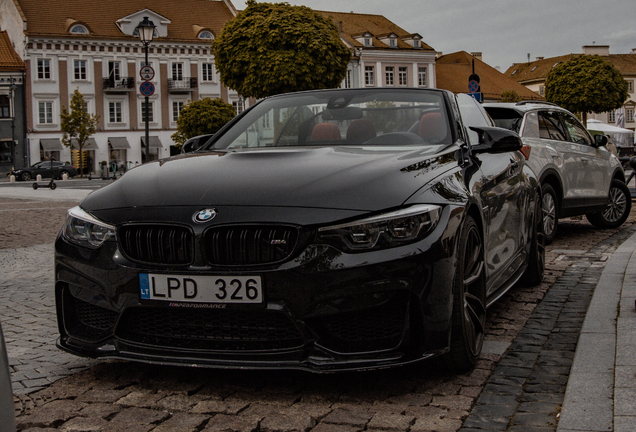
(504, 31)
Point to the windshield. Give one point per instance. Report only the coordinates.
(340, 118)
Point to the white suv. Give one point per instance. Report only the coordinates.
(578, 175)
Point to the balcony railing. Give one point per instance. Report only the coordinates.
(124, 84)
(182, 85)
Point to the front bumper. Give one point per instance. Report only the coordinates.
(323, 311)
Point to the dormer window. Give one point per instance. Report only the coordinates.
(205, 34)
(514, 71)
(393, 43)
(367, 42)
(555, 65)
(78, 29)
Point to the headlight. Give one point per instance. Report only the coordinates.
(383, 231)
(84, 230)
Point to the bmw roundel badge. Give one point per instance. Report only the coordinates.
(205, 215)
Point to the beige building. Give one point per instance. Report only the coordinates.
(93, 46)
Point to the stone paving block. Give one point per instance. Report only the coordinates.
(284, 423)
(348, 417)
(84, 424)
(228, 423)
(595, 353)
(328, 427)
(625, 401)
(391, 422)
(588, 404)
(139, 416)
(183, 422)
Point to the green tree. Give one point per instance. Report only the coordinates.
(205, 116)
(77, 124)
(586, 84)
(510, 96)
(272, 48)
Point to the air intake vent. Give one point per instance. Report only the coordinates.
(156, 244)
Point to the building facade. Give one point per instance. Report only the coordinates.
(93, 46)
(12, 125)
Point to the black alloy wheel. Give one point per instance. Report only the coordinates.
(550, 212)
(536, 261)
(26, 176)
(618, 207)
(469, 299)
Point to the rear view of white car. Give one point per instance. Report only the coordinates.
(578, 175)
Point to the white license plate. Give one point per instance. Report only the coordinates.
(201, 289)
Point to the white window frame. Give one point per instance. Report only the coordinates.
(112, 114)
(177, 106)
(389, 76)
(629, 114)
(239, 106)
(116, 69)
(630, 86)
(611, 116)
(422, 73)
(44, 71)
(177, 71)
(369, 76)
(80, 70)
(142, 108)
(207, 72)
(45, 117)
(403, 76)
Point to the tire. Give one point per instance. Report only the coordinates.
(536, 262)
(469, 300)
(550, 208)
(35, 186)
(53, 186)
(617, 210)
(26, 176)
(62, 174)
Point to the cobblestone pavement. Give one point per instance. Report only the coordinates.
(518, 384)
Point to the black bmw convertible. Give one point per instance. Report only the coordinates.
(326, 231)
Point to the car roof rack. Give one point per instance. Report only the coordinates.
(527, 102)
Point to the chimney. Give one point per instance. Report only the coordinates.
(477, 55)
(633, 51)
(602, 50)
(540, 58)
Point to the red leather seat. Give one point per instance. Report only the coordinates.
(361, 130)
(325, 131)
(432, 128)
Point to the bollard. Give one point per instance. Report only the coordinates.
(64, 176)
(38, 178)
(11, 178)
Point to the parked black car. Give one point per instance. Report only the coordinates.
(46, 169)
(326, 230)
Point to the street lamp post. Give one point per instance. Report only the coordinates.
(14, 147)
(146, 30)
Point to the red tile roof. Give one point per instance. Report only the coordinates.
(50, 17)
(453, 71)
(9, 59)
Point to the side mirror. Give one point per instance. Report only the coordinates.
(496, 140)
(600, 140)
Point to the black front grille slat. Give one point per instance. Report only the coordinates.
(249, 245)
(156, 244)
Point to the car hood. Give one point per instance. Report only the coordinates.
(364, 179)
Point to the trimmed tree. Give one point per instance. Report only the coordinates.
(77, 124)
(272, 48)
(205, 116)
(510, 96)
(586, 83)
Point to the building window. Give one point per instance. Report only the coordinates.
(367, 42)
(266, 122)
(541, 90)
(5, 106)
(421, 77)
(389, 73)
(177, 106)
(611, 116)
(238, 106)
(206, 35)
(78, 29)
(369, 76)
(392, 43)
(348, 79)
(114, 112)
(403, 76)
(629, 114)
(45, 112)
(150, 112)
(630, 86)
(80, 69)
(114, 70)
(44, 69)
(177, 71)
(207, 72)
